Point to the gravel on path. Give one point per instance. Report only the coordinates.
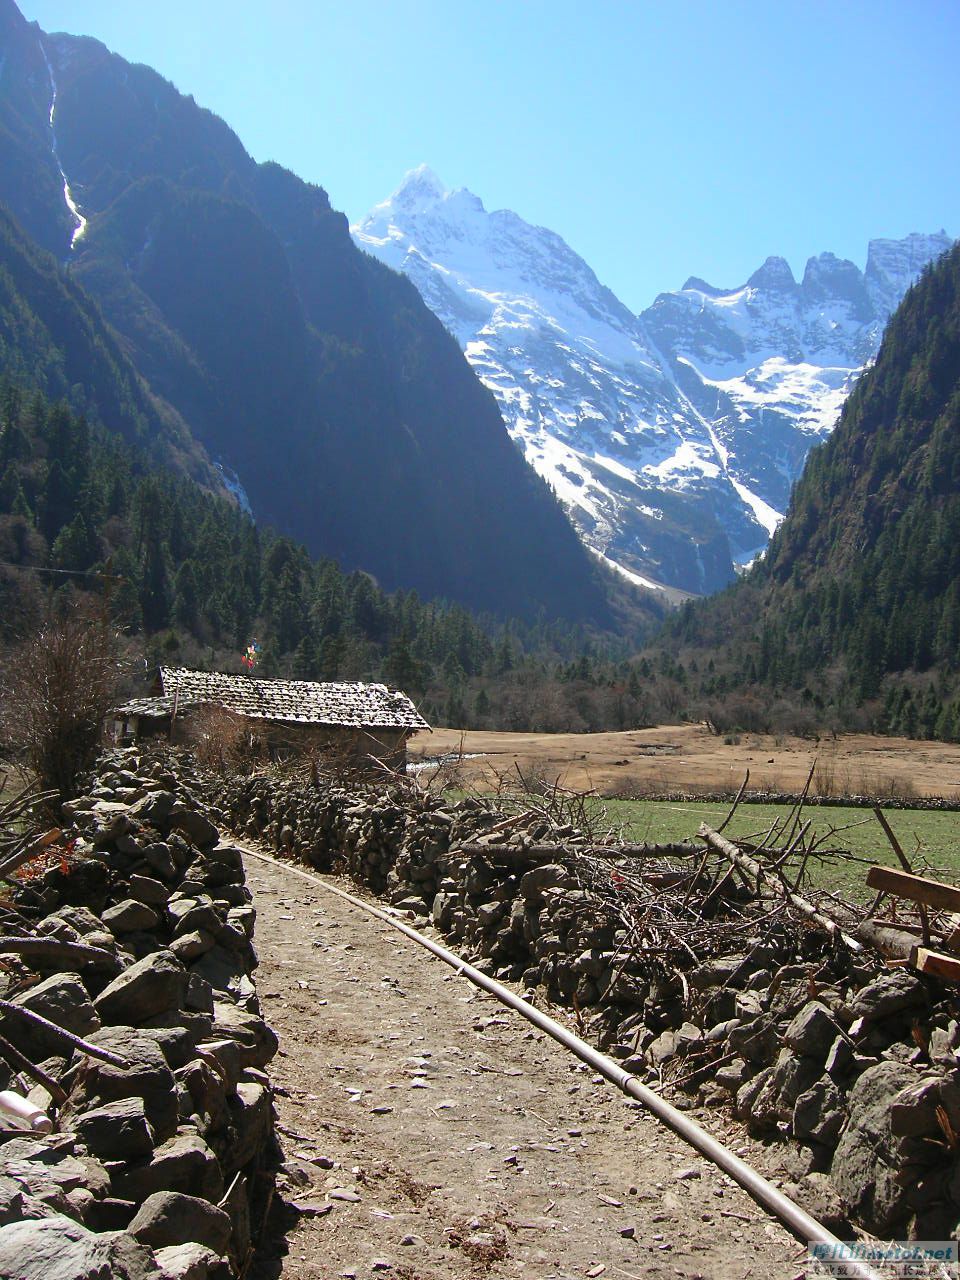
(431, 1134)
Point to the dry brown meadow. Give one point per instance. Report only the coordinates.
(689, 758)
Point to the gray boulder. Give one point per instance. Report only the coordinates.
(130, 916)
(117, 1130)
(186, 1262)
(792, 1076)
(184, 1163)
(195, 826)
(50, 1177)
(16, 1203)
(171, 1218)
(258, 1042)
(190, 946)
(159, 858)
(889, 994)
(61, 999)
(551, 875)
(812, 1032)
(154, 808)
(147, 1076)
(865, 1164)
(146, 889)
(913, 1112)
(442, 910)
(818, 1114)
(156, 984)
(757, 1040)
(57, 1248)
(251, 1116)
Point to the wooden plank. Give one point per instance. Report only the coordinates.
(932, 893)
(936, 963)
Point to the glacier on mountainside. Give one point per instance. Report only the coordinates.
(673, 437)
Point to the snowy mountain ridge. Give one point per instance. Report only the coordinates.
(672, 437)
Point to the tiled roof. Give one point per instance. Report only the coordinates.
(157, 707)
(342, 703)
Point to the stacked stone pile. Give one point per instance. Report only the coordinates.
(853, 1065)
(163, 1142)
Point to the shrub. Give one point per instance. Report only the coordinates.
(57, 687)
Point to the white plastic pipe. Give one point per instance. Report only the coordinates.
(765, 1193)
(24, 1112)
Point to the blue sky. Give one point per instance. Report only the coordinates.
(660, 140)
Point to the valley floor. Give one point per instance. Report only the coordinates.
(436, 1136)
(690, 758)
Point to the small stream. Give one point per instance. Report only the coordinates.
(437, 762)
(80, 220)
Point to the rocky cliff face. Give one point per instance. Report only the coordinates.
(672, 437)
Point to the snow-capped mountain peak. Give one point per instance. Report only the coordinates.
(775, 275)
(673, 437)
(419, 186)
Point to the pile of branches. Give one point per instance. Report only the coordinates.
(683, 905)
(22, 839)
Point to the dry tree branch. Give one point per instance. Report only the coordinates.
(60, 1033)
(20, 1062)
(735, 805)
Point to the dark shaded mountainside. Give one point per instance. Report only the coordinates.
(239, 313)
(855, 608)
(53, 339)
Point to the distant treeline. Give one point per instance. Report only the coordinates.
(191, 579)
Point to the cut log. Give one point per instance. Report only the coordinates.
(552, 852)
(55, 951)
(889, 939)
(945, 897)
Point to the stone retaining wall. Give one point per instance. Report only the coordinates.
(156, 1168)
(853, 1066)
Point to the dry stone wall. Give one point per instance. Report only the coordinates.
(853, 1066)
(161, 1157)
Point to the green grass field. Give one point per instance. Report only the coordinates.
(929, 838)
(848, 838)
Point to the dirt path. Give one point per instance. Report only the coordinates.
(437, 1136)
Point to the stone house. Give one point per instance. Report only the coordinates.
(345, 720)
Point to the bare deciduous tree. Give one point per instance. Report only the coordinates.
(56, 687)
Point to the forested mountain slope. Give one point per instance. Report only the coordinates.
(857, 602)
(190, 578)
(314, 373)
(53, 339)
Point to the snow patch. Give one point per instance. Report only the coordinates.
(637, 579)
(766, 517)
(713, 393)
